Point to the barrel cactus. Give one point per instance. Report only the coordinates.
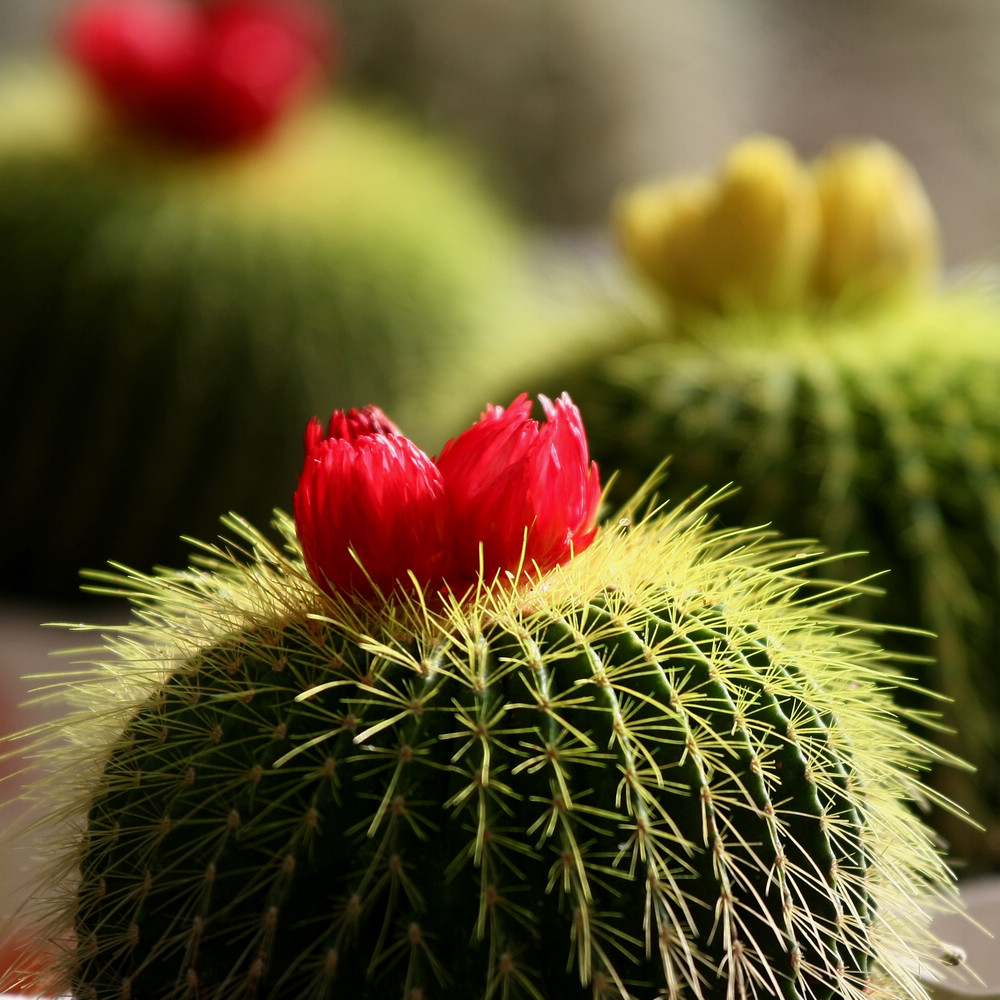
(448, 739)
(799, 341)
(224, 271)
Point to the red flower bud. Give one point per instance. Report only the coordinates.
(370, 508)
(526, 493)
(207, 76)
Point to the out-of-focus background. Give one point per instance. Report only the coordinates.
(567, 100)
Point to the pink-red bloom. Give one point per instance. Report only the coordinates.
(508, 498)
(524, 494)
(371, 508)
(208, 76)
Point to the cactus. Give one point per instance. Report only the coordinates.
(224, 294)
(861, 412)
(648, 767)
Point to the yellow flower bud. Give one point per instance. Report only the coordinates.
(879, 232)
(743, 240)
(660, 229)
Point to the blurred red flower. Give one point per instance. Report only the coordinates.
(508, 498)
(206, 76)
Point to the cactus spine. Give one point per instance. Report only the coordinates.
(658, 771)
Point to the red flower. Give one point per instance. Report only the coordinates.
(209, 76)
(367, 490)
(135, 51)
(526, 493)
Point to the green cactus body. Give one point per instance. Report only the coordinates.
(223, 297)
(874, 432)
(659, 771)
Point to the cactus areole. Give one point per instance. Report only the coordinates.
(634, 765)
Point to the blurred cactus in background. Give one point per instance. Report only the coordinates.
(543, 88)
(197, 250)
(568, 761)
(798, 342)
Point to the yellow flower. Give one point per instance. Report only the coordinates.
(743, 240)
(769, 232)
(879, 232)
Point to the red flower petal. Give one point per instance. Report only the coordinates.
(527, 494)
(351, 424)
(369, 491)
